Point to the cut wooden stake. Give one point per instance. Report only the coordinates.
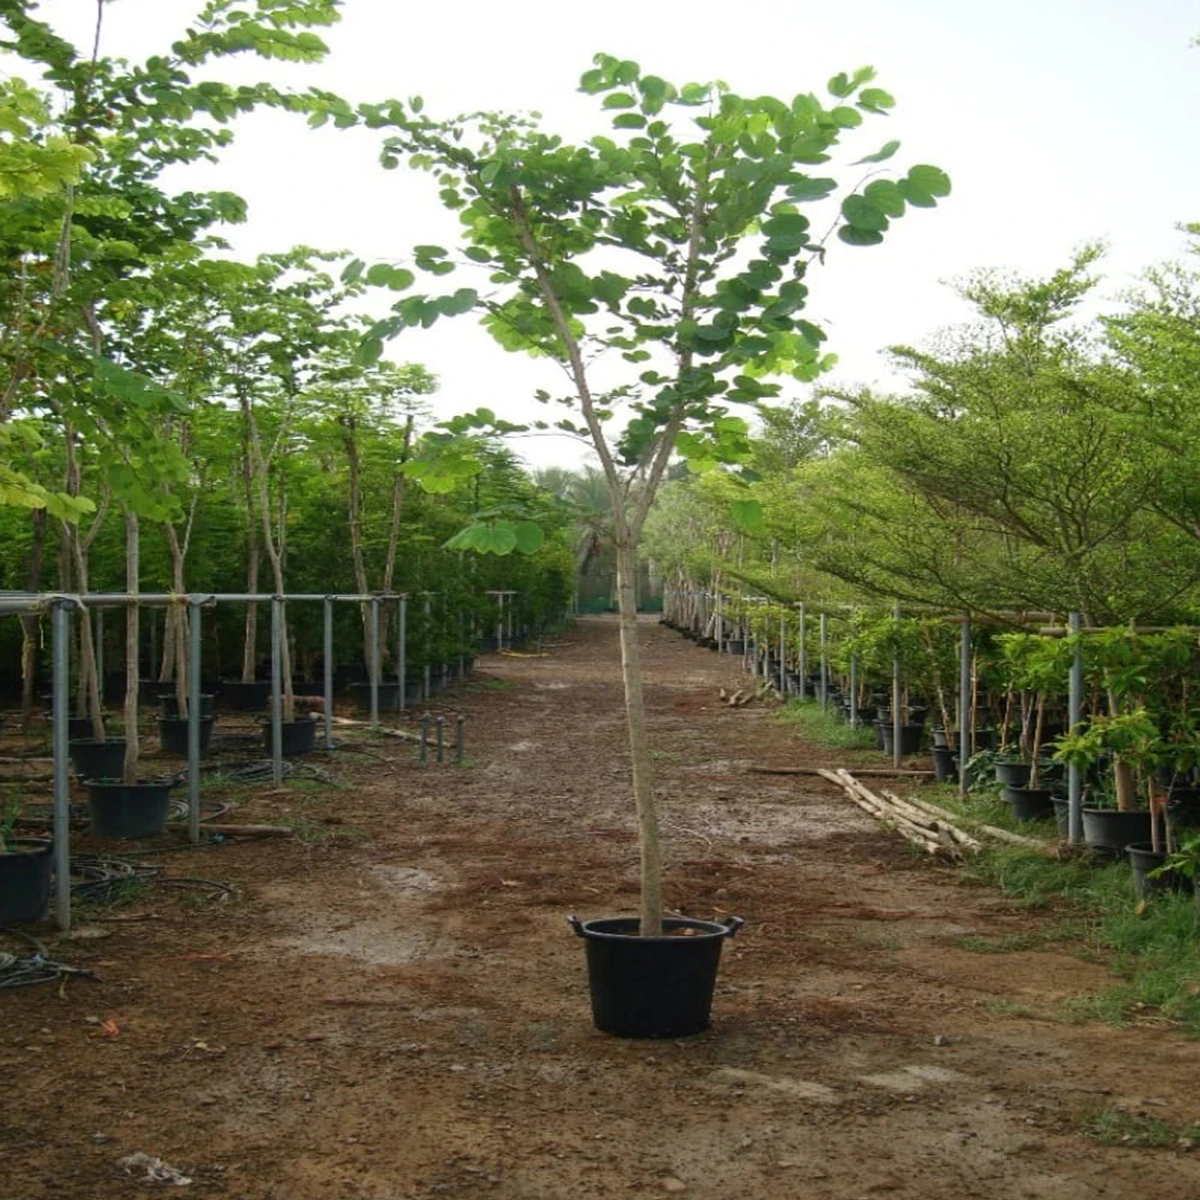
(866, 772)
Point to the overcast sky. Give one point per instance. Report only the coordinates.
(1059, 122)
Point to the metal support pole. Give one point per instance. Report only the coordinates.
(897, 715)
(328, 660)
(61, 634)
(783, 681)
(373, 666)
(194, 720)
(499, 620)
(824, 691)
(459, 739)
(965, 732)
(803, 651)
(720, 623)
(462, 644)
(854, 691)
(1074, 716)
(424, 737)
(276, 690)
(402, 652)
(440, 727)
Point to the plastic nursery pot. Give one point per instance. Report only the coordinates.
(25, 880)
(173, 734)
(78, 728)
(168, 706)
(1143, 858)
(389, 696)
(94, 759)
(1108, 831)
(945, 764)
(241, 696)
(1012, 774)
(645, 987)
(150, 691)
(1029, 804)
(910, 737)
(735, 646)
(128, 810)
(299, 736)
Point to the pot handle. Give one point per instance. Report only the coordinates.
(733, 924)
(576, 924)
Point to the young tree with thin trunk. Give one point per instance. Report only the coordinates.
(676, 243)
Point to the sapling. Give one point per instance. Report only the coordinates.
(674, 242)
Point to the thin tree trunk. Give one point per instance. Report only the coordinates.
(132, 636)
(29, 622)
(393, 542)
(354, 505)
(650, 841)
(250, 637)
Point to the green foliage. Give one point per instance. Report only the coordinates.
(825, 729)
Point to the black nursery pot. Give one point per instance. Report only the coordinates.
(128, 810)
(389, 696)
(25, 880)
(945, 764)
(299, 736)
(168, 706)
(910, 737)
(1143, 858)
(246, 697)
(645, 987)
(1108, 831)
(1029, 804)
(173, 734)
(94, 759)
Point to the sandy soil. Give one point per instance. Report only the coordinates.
(392, 1007)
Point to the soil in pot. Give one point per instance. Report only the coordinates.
(1108, 831)
(299, 736)
(173, 734)
(95, 759)
(654, 986)
(1143, 858)
(389, 696)
(25, 880)
(1029, 804)
(128, 810)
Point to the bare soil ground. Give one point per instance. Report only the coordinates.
(392, 1007)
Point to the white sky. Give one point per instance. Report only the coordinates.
(1059, 121)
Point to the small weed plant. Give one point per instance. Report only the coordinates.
(825, 729)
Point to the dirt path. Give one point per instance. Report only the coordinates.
(394, 1009)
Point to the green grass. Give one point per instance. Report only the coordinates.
(825, 729)
(1116, 1127)
(1151, 946)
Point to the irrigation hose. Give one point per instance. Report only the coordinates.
(27, 970)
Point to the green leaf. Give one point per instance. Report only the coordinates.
(619, 100)
(812, 189)
(853, 236)
(923, 184)
(862, 214)
(876, 100)
(881, 155)
(530, 536)
(886, 196)
(629, 121)
(748, 516)
(846, 118)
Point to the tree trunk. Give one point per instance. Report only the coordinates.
(250, 637)
(132, 637)
(393, 543)
(354, 505)
(639, 748)
(29, 622)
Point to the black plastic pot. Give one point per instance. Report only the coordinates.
(389, 696)
(173, 734)
(246, 697)
(1108, 831)
(25, 880)
(945, 764)
(644, 987)
(735, 646)
(1012, 774)
(78, 728)
(168, 706)
(1183, 806)
(150, 691)
(299, 736)
(487, 645)
(1029, 804)
(128, 810)
(94, 759)
(1143, 858)
(910, 737)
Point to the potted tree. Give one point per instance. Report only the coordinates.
(25, 869)
(675, 241)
